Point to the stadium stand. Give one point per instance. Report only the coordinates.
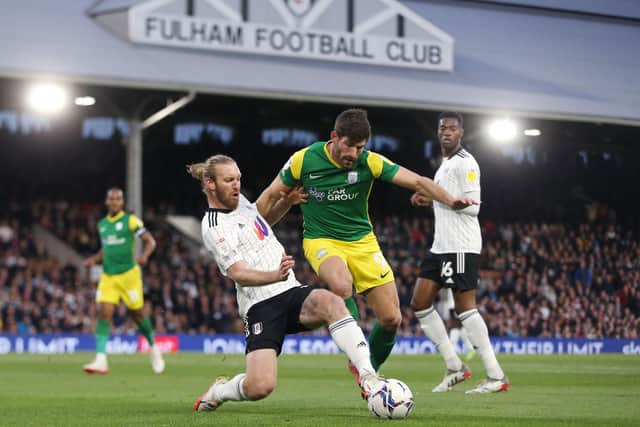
(537, 280)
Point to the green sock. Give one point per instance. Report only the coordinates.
(352, 306)
(102, 335)
(381, 343)
(146, 329)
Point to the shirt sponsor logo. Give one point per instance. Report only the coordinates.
(113, 240)
(341, 194)
(319, 195)
(260, 229)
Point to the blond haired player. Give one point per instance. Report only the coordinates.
(271, 301)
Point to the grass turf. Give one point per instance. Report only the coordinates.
(38, 390)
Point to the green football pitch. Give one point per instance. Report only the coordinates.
(315, 391)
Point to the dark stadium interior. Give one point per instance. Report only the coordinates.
(550, 177)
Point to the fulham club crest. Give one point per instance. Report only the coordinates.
(299, 7)
(256, 328)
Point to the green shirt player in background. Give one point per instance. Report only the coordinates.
(338, 239)
(121, 278)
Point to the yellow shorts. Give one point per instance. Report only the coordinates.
(125, 286)
(363, 258)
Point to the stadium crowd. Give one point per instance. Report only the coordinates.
(537, 280)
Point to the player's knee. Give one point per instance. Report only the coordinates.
(337, 309)
(259, 389)
(418, 305)
(342, 288)
(390, 321)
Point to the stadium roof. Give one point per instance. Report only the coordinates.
(508, 59)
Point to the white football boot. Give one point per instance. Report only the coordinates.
(490, 385)
(368, 382)
(98, 366)
(451, 378)
(206, 402)
(157, 362)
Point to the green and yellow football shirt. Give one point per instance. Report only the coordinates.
(117, 235)
(337, 207)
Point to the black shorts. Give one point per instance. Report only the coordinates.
(269, 321)
(458, 271)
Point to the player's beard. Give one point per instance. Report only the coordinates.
(227, 199)
(348, 162)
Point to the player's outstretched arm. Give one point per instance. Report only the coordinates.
(271, 204)
(429, 189)
(474, 209)
(244, 276)
(418, 199)
(422, 185)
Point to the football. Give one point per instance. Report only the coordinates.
(390, 399)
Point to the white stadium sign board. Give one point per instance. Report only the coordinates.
(375, 32)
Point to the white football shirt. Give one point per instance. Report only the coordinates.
(244, 235)
(456, 231)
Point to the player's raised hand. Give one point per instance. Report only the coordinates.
(286, 264)
(463, 202)
(295, 195)
(418, 199)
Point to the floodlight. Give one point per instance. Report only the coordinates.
(503, 130)
(47, 98)
(85, 101)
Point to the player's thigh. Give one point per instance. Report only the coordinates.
(130, 286)
(321, 307)
(429, 282)
(367, 264)
(424, 294)
(384, 301)
(266, 323)
(329, 261)
(105, 310)
(262, 373)
(107, 292)
(465, 300)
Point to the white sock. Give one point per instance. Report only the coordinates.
(231, 390)
(433, 327)
(479, 337)
(101, 357)
(465, 339)
(454, 337)
(349, 337)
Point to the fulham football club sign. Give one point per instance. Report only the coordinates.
(375, 32)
